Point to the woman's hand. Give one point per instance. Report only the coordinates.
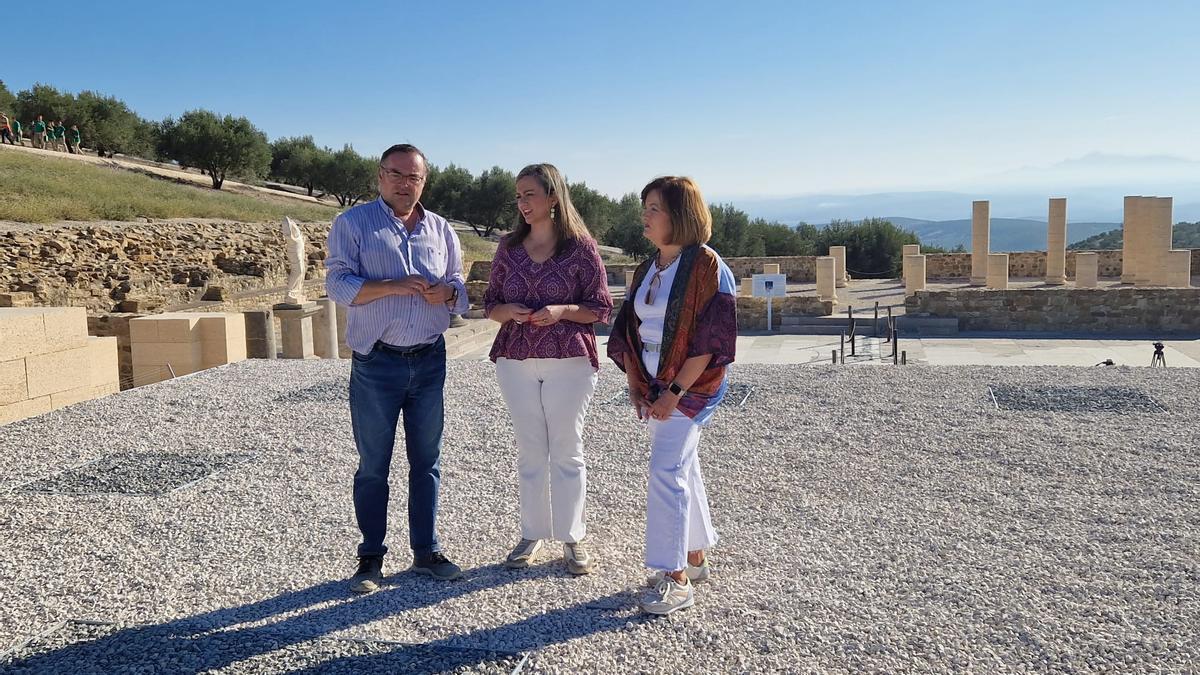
(637, 396)
(664, 406)
(548, 315)
(513, 311)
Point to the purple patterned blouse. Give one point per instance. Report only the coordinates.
(576, 276)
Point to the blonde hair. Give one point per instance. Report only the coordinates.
(691, 221)
(568, 224)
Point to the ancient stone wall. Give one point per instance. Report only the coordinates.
(1100, 310)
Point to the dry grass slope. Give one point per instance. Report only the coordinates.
(44, 190)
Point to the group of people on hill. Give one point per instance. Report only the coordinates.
(398, 267)
(45, 135)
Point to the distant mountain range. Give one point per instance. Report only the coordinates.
(1007, 234)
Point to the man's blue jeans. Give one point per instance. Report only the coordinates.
(383, 385)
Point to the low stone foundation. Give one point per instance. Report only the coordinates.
(1171, 311)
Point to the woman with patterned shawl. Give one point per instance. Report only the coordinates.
(673, 337)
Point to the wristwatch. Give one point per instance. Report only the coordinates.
(676, 389)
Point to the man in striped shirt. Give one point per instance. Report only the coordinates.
(399, 269)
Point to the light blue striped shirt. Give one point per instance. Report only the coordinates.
(369, 243)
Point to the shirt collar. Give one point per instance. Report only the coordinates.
(419, 208)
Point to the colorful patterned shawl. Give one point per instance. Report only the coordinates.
(701, 319)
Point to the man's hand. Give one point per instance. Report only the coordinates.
(548, 315)
(413, 284)
(438, 294)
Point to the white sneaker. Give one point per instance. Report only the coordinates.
(523, 552)
(694, 573)
(579, 561)
(668, 596)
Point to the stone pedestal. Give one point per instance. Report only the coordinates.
(1159, 244)
(1056, 243)
(1142, 214)
(297, 328)
(908, 249)
(260, 334)
(1086, 270)
(981, 226)
(827, 279)
(914, 273)
(838, 253)
(325, 329)
(770, 268)
(997, 271)
(1179, 268)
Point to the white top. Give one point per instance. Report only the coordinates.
(652, 316)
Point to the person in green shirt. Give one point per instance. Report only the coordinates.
(60, 136)
(39, 133)
(73, 142)
(16, 127)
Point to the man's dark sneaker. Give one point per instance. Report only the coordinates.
(369, 574)
(436, 565)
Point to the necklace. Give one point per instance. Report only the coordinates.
(656, 280)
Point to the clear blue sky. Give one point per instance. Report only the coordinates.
(751, 98)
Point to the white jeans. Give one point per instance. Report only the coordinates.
(677, 519)
(548, 401)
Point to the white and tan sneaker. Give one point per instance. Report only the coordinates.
(694, 573)
(668, 596)
(523, 553)
(579, 561)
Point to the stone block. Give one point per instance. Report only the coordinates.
(183, 357)
(997, 271)
(222, 339)
(838, 253)
(71, 396)
(914, 275)
(260, 334)
(104, 367)
(23, 330)
(13, 385)
(770, 268)
(22, 409)
(1086, 270)
(827, 279)
(747, 288)
(170, 327)
(325, 338)
(18, 299)
(1056, 243)
(59, 371)
(981, 225)
(1178, 264)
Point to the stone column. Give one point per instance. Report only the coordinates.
(260, 334)
(1056, 243)
(1127, 255)
(1142, 214)
(1159, 244)
(296, 326)
(914, 275)
(1086, 270)
(827, 278)
(981, 225)
(909, 249)
(770, 268)
(1179, 268)
(325, 335)
(997, 271)
(839, 253)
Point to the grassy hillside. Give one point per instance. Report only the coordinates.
(1184, 235)
(37, 189)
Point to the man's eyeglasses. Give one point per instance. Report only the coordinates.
(401, 177)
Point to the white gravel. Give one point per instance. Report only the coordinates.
(871, 519)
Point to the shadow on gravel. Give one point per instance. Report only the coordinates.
(222, 638)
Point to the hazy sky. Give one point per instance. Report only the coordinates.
(749, 98)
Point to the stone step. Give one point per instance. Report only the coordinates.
(466, 339)
(927, 326)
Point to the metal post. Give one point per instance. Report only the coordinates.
(875, 323)
(853, 342)
(889, 325)
(834, 357)
(904, 358)
(770, 323)
(842, 347)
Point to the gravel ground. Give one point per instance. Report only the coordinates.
(871, 519)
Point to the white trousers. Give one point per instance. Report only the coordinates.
(677, 519)
(548, 400)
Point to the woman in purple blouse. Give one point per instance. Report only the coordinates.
(547, 287)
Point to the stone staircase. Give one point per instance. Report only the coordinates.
(469, 338)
